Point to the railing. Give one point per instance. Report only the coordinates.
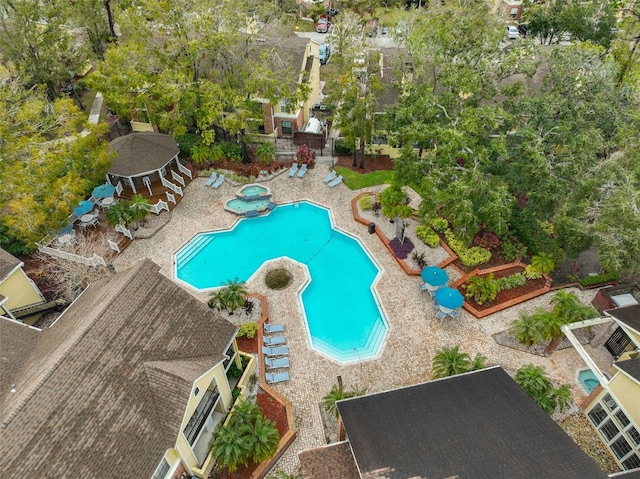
(171, 198)
(119, 188)
(122, 229)
(177, 177)
(95, 260)
(183, 169)
(171, 186)
(159, 206)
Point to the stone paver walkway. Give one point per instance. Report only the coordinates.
(414, 333)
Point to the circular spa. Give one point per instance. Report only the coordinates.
(343, 315)
(250, 200)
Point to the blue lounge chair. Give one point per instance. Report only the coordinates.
(273, 328)
(271, 205)
(293, 169)
(273, 340)
(218, 182)
(276, 378)
(211, 179)
(335, 182)
(303, 170)
(441, 315)
(331, 176)
(277, 351)
(276, 363)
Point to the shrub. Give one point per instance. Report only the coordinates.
(265, 153)
(487, 240)
(278, 278)
(186, 142)
(482, 289)
(232, 151)
(341, 148)
(305, 154)
(427, 236)
(510, 282)
(439, 224)
(419, 259)
(512, 249)
(366, 203)
(401, 250)
(543, 263)
(599, 279)
(529, 230)
(247, 330)
(538, 386)
(531, 273)
(469, 256)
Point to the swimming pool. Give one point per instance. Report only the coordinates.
(588, 380)
(342, 313)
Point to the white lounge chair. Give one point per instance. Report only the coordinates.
(335, 182)
(218, 182)
(273, 340)
(211, 179)
(276, 363)
(303, 170)
(293, 169)
(423, 287)
(273, 328)
(277, 351)
(331, 176)
(276, 378)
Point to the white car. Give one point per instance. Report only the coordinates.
(512, 32)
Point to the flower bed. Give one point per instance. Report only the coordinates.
(507, 298)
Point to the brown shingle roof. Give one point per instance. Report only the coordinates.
(8, 263)
(329, 462)
(89, 400)
(142, 153)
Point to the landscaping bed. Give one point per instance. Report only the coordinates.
(371, 163)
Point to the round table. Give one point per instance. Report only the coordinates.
(65, 238)
(86, 218)
(108, 201)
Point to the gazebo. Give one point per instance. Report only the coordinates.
(143, 158)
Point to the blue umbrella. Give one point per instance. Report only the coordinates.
(83, 208)
(434, 276)
(103, 191)
(449, 298)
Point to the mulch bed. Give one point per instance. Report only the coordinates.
(371, 163)
(508, 295)
(243, 169)
(248, 345)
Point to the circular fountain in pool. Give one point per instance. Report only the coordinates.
(250, 200)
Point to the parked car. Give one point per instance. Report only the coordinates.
(322, 25)
(512, 32)
(325, 53)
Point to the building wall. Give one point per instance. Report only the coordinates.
(627, 393)
(20, 290)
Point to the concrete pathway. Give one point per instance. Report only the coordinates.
(96, 107)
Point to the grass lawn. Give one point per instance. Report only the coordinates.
(355, 181)
(304, 26)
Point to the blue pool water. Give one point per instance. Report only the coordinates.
(242, 206)
(253, 190)
(588, 380)
(343, 316)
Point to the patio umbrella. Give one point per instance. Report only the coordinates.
(449, 298)
(103, 191)
(83, 208)
(434, 276)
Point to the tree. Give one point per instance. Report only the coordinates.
(266, 153)
(263, 439)
(539, 387)
(230, 448)
(527, 327)
(449, 361)
(338, 393)
(140, 208)
(230, 297)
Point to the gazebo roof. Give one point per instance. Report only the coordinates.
(142, 153)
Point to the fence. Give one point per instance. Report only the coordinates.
(95, 260)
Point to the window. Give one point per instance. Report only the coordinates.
(622, 418)
(609, 430)
(200, 415)
(161, 470)
(609, 402)
(631, 463)
(287, 127)
(634, 435)
(597, 414)
(620, 447)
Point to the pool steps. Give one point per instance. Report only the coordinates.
(186, 254)
(371, 348)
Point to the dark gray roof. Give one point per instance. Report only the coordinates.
(8, 263)
(329, 462)
(630, 366)
(142, 153)
(473, 426)
(101, 393)
(629, 315)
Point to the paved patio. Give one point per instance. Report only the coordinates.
(414, 333)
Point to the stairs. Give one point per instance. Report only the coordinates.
(192, 248)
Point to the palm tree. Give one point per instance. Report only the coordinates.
(265, 153)
(539, 387)
(527, 329)
(449, 362)
(567, 309)
(337, 393)
(139, 207)
(119, 214)
(235, 294)
(543, 263)
(263, 439)
(230, 448)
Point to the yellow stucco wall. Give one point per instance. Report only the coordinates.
(627, 394)
(20, 291)
(631, 333)
(313, 49)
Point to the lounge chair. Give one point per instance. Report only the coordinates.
(218, 182)
(273, 340)
(273, 328)
(277, 351)
(423, 287)
(211, 179)
(455, 313)
(303, 170)
(441, 315)
(293, 170)
(271, 205)
(276, 363)
(331, 176)
(335, 182)
(276, 378)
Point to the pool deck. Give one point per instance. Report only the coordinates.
(414, 332)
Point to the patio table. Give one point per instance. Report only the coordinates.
(107, 202)
(65, 239)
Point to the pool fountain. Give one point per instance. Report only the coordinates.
(250, 200)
